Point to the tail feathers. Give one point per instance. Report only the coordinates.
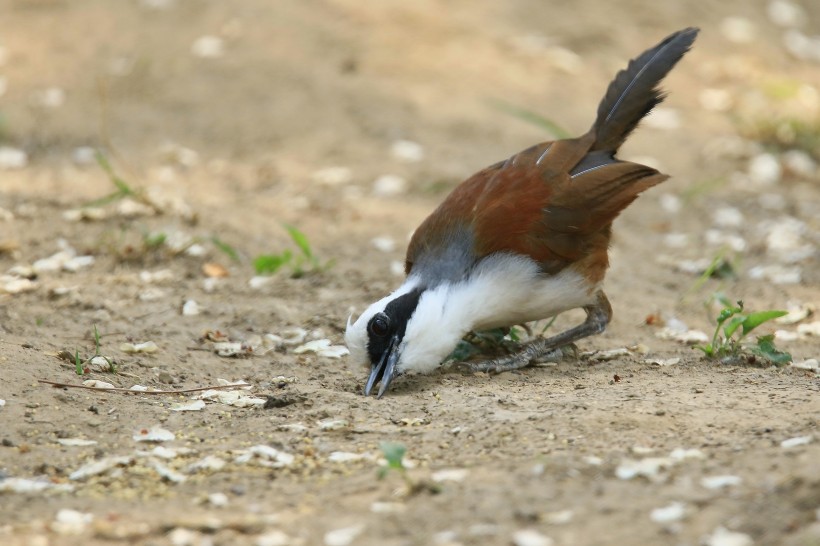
(636, 90)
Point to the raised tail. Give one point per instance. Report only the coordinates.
(636, 90)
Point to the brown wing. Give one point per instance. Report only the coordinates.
(533, 205)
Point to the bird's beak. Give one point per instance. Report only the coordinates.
(385, 370)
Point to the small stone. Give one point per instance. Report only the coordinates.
(765, 170)
(723, 537)
(715, 100)
(274, 538)
(719, 482)
(670, 203)
(343, 536)
(332, 176)
(388, 507)
(799, 163)
(795, 442)
(667, 514)
(389, 185)
(785, 14)
(777, 274)
(153, 434)
(450, 475)
(530, 537)
(383, 244)
(738, 30)
(407, 151)
(728, 217)
(560, 517)
(208, 47)
(808, 364)
(190, 308)
(84, 156)
(218, 500)
(71, 522)
(666, 119)
(12, 158)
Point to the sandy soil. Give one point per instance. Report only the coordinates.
(233, 144)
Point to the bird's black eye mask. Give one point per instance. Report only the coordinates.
(390, 323)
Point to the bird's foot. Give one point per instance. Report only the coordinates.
(529, 355)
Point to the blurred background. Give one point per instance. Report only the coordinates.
(151, 151)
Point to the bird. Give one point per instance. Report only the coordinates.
(521, 240)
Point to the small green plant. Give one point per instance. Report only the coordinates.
(733, 325)
(81, 365)
(394, 455)
(226, 249)
(268, 264)
(122, 190)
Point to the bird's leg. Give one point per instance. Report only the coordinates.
(598, 316)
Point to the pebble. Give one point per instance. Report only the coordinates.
(50, 97)
(388, 507)
(715, 237)
(334, 424)
(97, 384)
(343, 536)
(719, 482)
(560, 517)
(144, 347)
(670, 203)
(776, 273)
(25, 485)
(650, 467)
(346, 457)
(259, 281)
(676, 240)
(101, 466)
(383, 244)
(805, 48)
(764, 169)
(407, 151)
(71, 522)
(154, 434)
(208, 47)
(799, 163)
(809, 329)
(715, 100)
(784, 239)
(12, 158)
(728, 217)
(667, 119)
(84, 156)
(190, 308)
(663, 361)
(274, 538)
(322, 347)
(218, 500)
(738, 30)
(450, 475)
(795, 442)
(530, 537)
(75, 442)
(723, 537)
(389, 185)
(196, 405)
(785, 14)
(332, 176)
(808, 364)
(265, 456)
(667, 514)
(796, 313)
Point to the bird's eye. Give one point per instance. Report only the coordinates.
(380, 325)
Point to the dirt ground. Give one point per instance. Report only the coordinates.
(232, 119)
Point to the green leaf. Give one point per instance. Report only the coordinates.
(301, 241)
(226, 248)
(268, 264)
(765, 348)
(394, 454)
(707, 349)
(78, 364)
(733, 325)
(463, 351)
(756, 319)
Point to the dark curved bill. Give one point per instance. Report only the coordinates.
(385, 371)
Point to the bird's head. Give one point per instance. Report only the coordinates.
(409, 331)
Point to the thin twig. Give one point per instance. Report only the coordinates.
(129, 391)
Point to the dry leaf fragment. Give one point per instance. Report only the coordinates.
(214, 270)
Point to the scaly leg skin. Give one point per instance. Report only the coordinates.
(598, 316)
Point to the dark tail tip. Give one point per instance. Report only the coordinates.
(636, 90)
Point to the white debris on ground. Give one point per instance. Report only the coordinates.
(322, 347)
(669, 513)
(154, 434)
(263, 455)
(723, 537)
(146, 347)
(530, 537)
(343, 536)
(796, 442)
(720, 482)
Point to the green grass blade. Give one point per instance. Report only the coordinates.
(753, 320)
(226, 249)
